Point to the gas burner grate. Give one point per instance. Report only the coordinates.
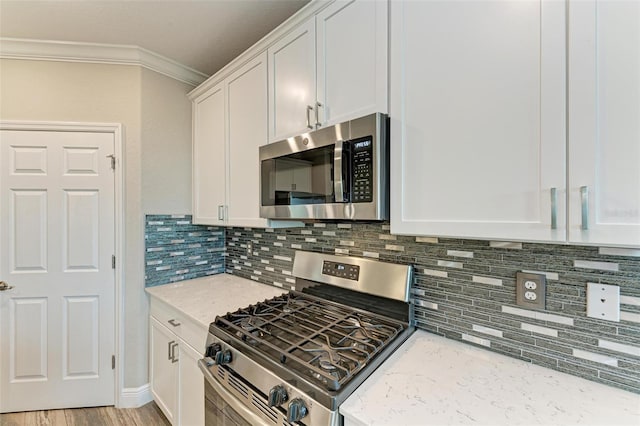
(323, 341)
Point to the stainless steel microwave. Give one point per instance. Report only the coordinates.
(337, 172)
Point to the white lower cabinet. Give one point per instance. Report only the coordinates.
(191, 394)
(177, 384)
(164, 372)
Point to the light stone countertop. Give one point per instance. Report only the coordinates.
(203, 299)
(431, 380)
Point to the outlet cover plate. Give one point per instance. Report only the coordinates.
(531, 290)
(603, 301)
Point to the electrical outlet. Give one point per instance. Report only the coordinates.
(603, 301)
(531, 290)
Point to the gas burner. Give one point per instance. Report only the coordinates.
(292, 305)
(252, 323)
(328, 360)
(360, 335)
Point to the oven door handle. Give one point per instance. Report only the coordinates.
(233, 402)
(338, 172)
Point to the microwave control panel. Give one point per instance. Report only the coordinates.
(362, 166)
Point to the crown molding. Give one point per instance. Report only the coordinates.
(49, 50)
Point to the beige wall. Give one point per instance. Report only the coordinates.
(155, 114)
(166, 145)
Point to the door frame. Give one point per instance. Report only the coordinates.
(118, 135)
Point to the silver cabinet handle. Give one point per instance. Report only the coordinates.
(554, 208)
(173, 322)
(584, 204)
(173, 353)
(5, 286)
(309, 108)
(318, 105)
(169, 346)
(221, 212)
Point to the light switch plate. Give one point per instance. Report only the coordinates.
(531, 290)
(603, 301)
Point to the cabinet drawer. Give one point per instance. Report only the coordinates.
(167, 316)
(180, 324)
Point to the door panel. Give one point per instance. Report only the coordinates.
(81, 330)
(81, 239)
(28, 160)
(57, 213)
(28, 339)
(28, 239)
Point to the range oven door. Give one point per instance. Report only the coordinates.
(222, 407)
(338, 172)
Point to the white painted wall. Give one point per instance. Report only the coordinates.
(157, 136)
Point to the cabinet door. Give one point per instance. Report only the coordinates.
(164, 372)
(209, 140)
(191, 389)
(247, 113)
(477, 107)
(352, 45)
(292, 82)
(604, 122)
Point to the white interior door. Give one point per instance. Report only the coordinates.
(56, 243)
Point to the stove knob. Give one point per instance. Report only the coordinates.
(223, 357)
(277, 396)
(297, 410)
(212, 350)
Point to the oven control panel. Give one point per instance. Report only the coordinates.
(341, 270)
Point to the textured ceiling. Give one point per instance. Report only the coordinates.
(204, 35)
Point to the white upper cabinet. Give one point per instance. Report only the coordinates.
(604, 122)
(352, 45)
(331, 68)
(230, 125)
(478, 119)
(209, 161)
(247, 107)
(292, 91)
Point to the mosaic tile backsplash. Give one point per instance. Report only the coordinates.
(176, 250)
(465, 290)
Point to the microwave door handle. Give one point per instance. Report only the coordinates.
(338, 177)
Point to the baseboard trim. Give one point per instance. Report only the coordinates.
(135, 397)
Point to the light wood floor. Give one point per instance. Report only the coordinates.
(147, 415)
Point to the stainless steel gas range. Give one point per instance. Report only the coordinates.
(293, 359)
